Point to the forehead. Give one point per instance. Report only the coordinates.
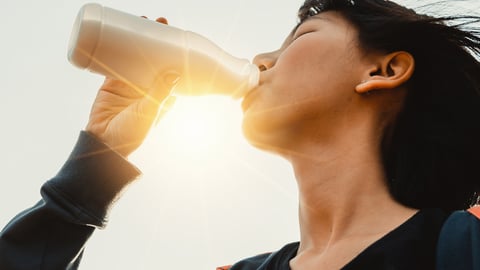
(332, 19)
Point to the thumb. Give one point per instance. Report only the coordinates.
(159, 91)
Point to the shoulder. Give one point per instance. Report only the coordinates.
(277, 259)
(251, 263)
(461, 224)
(459, 242)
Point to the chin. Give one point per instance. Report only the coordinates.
(265, 137)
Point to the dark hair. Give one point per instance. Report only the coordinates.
(433, 150)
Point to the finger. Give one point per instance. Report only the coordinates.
(162, 20)
(159, 91)
(167, 105)
(121, 88)
(163, 85)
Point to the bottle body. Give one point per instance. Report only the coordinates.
(138, 51)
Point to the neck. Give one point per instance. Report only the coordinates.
(343, 191)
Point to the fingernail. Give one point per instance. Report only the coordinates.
(171, 78)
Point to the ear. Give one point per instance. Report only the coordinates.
(391, 71)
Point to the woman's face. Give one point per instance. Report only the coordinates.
(307, 86)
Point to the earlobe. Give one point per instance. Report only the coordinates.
(391, 71)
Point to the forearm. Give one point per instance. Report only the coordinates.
(52, 234)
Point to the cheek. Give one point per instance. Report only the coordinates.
(309, 66)
(307, 84)
(319, 66)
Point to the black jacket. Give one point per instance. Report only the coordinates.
(52, 234)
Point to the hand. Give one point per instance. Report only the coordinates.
(122, 114)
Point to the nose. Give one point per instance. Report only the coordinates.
(265, 61)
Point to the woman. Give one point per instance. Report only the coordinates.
(375, 107)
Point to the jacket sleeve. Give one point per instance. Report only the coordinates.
(52, 234)
(459, 243)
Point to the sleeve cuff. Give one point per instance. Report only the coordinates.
(90, 182)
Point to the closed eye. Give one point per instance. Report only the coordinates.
(298, 34)
(305, 27)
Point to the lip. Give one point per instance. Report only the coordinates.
(249, 98)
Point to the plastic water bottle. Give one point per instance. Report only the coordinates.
(137, 50)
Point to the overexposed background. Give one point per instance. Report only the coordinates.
(203, 201)
(206, 198)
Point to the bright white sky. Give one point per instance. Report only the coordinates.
(194, 208)
(198, 209)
